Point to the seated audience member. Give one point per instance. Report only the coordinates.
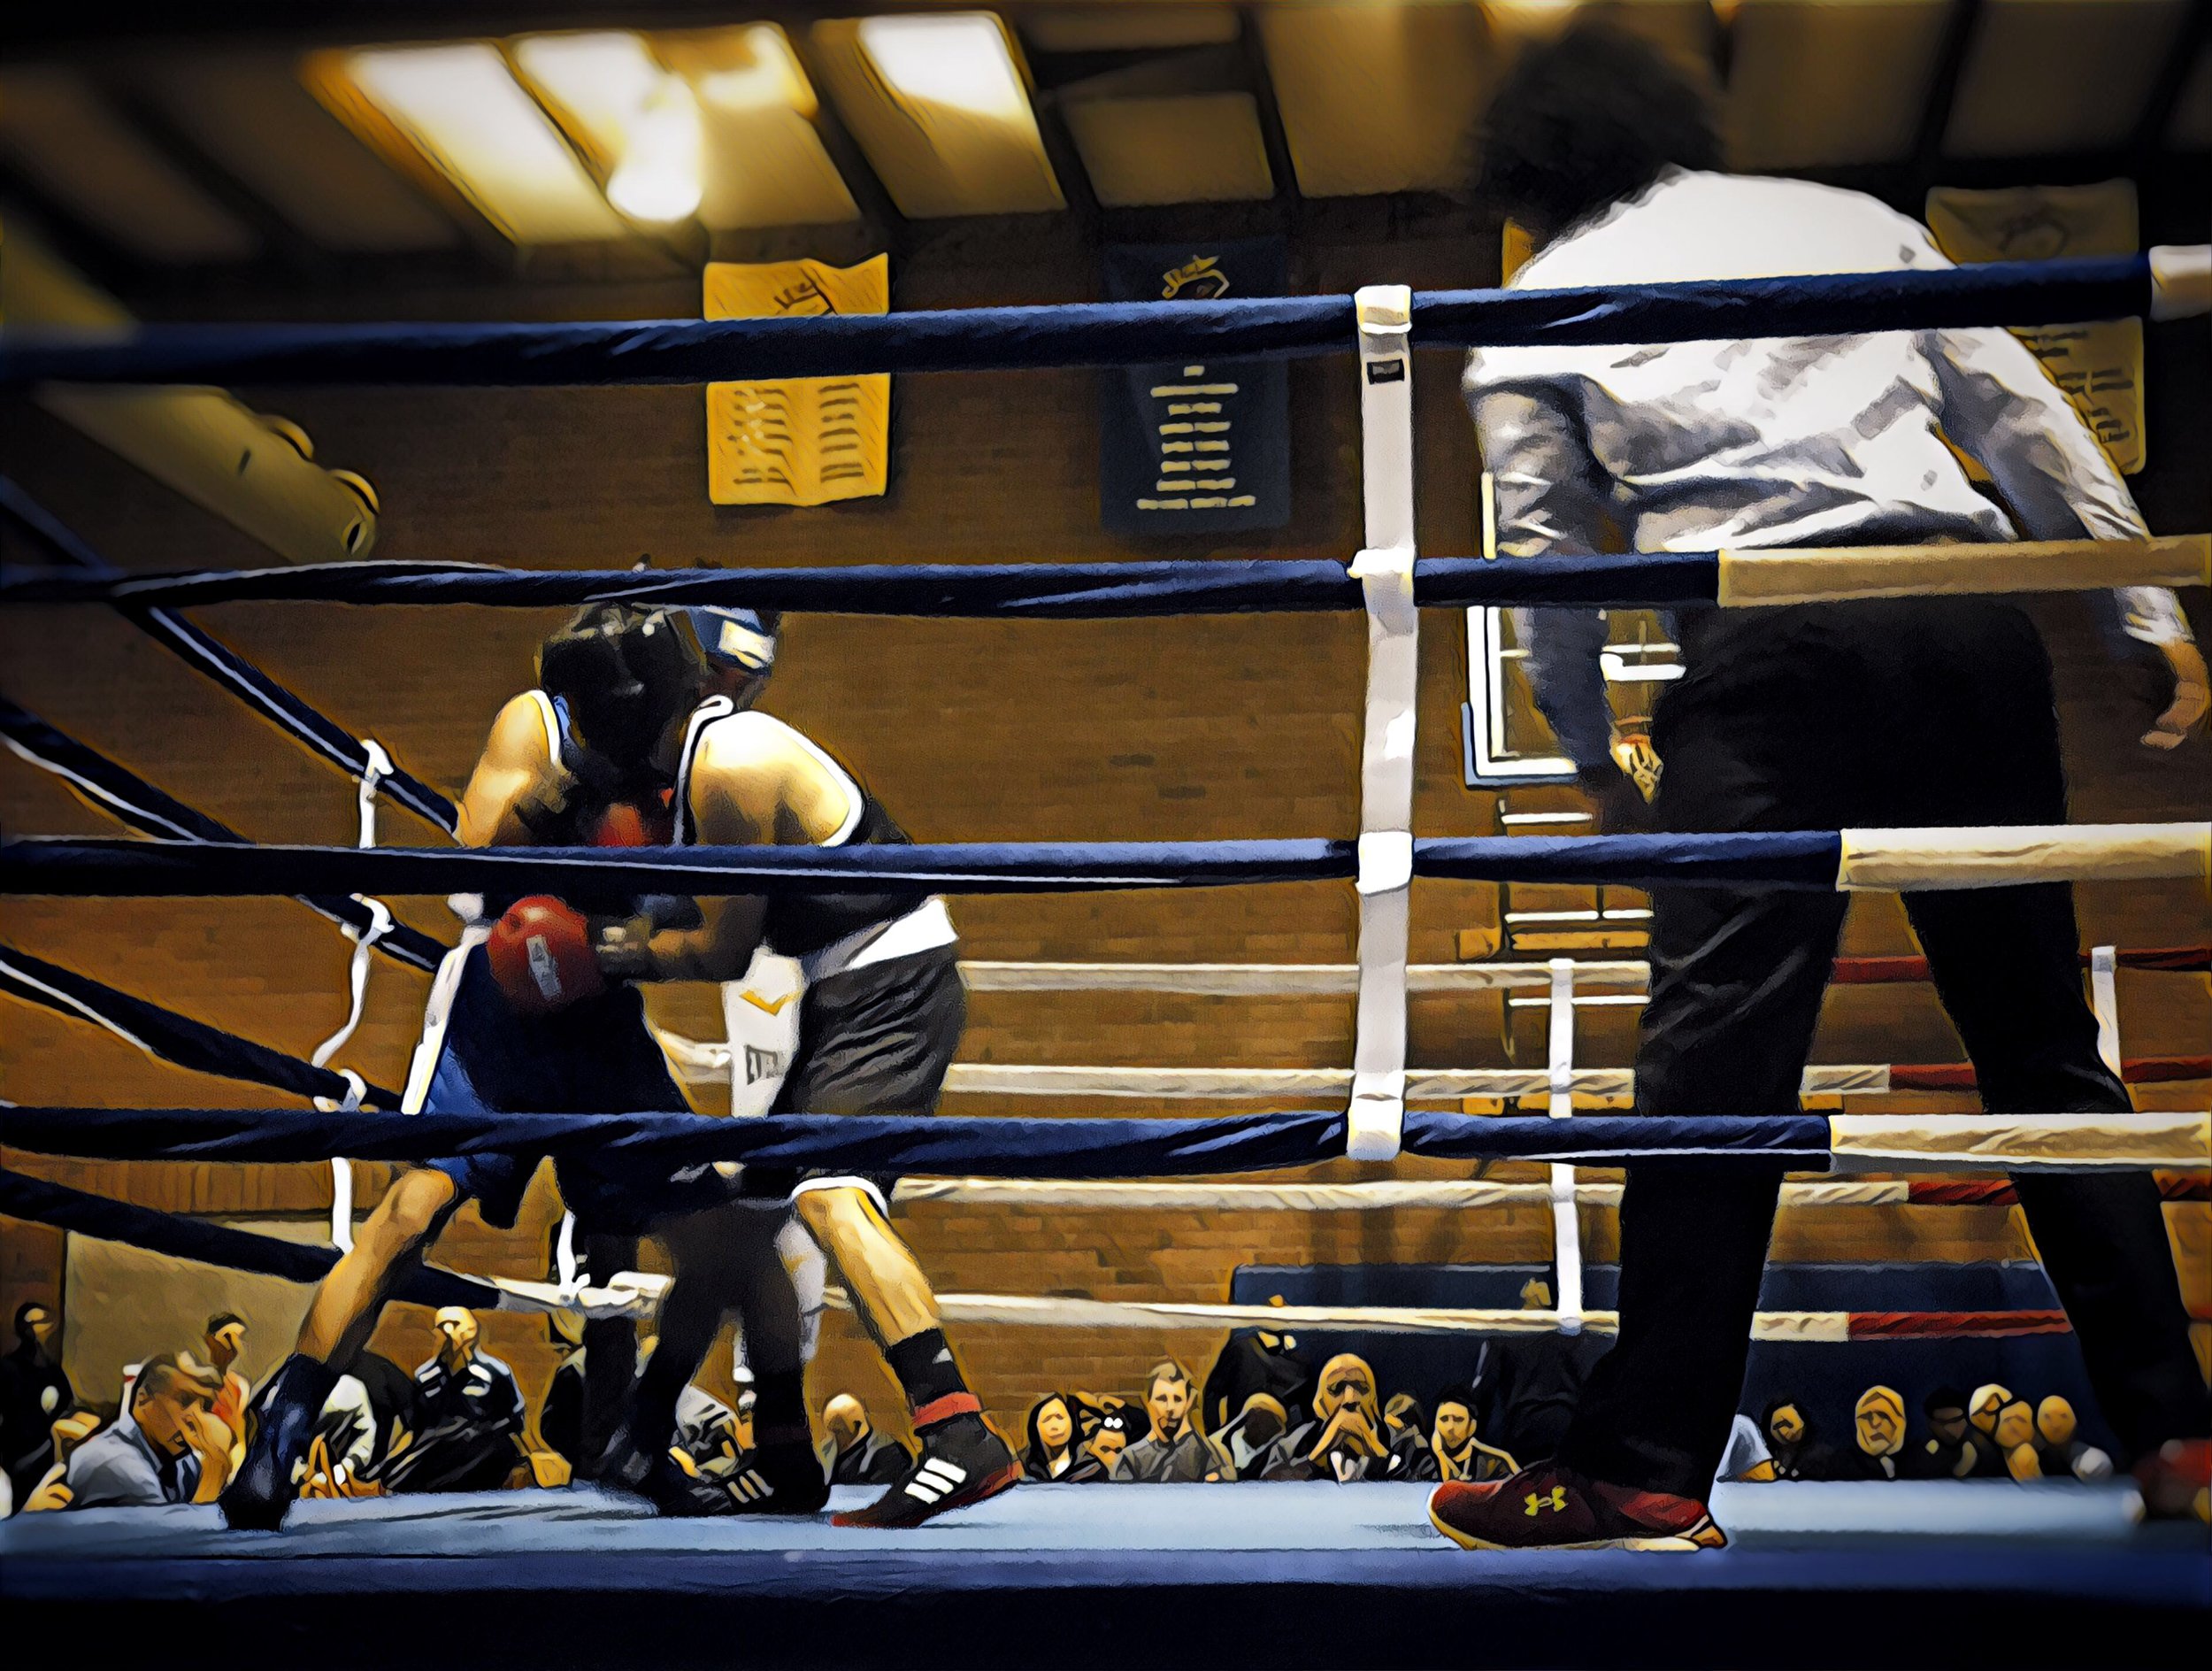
(1747, 1460)
(468, 1412)
(1990, 1462)
(1174, 1451)
(858, 1454)
(1109, 1439)
(2013, 1432)
(223, 1339)
(1256, 1360)
(1949, 1451)
(70, 1432)
(1528, 1386)
(1877, 1428)
(1259, 1424)
(2066, 1456)
(1454, 1451)
(347, 1432)
(1405, 1426)
(34, 1393)
(1052, 1449)
(561, 1417)
(166, 1447)
(1344, 1440)
(391, 1401)
(1797, 1454)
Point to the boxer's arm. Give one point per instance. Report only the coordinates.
(516, 778)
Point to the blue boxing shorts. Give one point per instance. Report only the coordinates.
(479, 1055)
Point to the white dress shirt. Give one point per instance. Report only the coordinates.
(1771, 441)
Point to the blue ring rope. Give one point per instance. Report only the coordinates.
(207, 655)
(82, 869)
(1079, 334)
(645, 1145)
(1029, 591)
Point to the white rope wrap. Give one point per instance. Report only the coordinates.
(2018, 1143)
(2181, 281)
(1815, 574)
(1566, 1220)
(696, 1062)
(1068, 1313)
(1272, 980)
(1387, 1195)
(379, 768)
(2006, 856)
(2104, 999)
(1376, 1117)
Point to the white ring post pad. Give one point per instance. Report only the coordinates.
(1375, 1117)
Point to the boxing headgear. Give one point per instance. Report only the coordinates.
(626, 674)
(742, 641)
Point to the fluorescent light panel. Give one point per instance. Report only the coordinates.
(462, 108)
(941, 107)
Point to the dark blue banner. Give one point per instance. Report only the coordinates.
(1195, 445)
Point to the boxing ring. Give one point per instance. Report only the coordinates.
(1303, 1573)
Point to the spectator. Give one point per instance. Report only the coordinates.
(859, 1454)
(561, 1417)
(1259, 1424)
(1052, 1449)
(1103, 1449)
(469, 1411)
(1949, 1451)
(1530, 1385)
(1877, 1425)
(1453, 1451)
(167, 1448)
(1981, 1414)
(391, 1403)
(69, 1432)
(1256, 1360)
(1405, 1426)
(1797, 1454)
(2064, 1455)
(1344, 1441)
(1747, 1460)
(34, 1393)
(2014, 1431)
(1174, 1451)
(224, 1338)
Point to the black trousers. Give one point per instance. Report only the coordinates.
(1903, 712)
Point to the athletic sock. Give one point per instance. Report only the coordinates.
(931, 1379)
(780, 1409)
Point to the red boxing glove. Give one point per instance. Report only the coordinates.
(627, 825)
(541, 956)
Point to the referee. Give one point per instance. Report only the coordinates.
(1884, 713)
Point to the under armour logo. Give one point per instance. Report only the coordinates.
(1539, 1501)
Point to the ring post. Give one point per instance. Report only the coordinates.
(1566, 1220)
(1376, 1119)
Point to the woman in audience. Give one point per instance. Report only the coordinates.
(1052, 1453)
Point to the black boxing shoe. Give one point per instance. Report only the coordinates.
(962, 1462)
(779, 1478)
(261, 1492)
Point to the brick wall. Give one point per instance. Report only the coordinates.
(1180, 728)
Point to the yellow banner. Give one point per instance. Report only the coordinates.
(802, 440)
(2100, 367)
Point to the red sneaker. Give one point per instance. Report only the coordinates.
(2174, 1481)
(1550, 1506)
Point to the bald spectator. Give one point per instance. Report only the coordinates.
(468, 1412)
(858, 1454)
(1344, 1441)
(1174, 1451)
(165, 1447)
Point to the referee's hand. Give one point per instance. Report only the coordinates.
(2191, 699)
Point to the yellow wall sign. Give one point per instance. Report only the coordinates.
(801, 440)
(2098, 365)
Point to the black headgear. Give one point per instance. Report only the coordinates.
(625, 675)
